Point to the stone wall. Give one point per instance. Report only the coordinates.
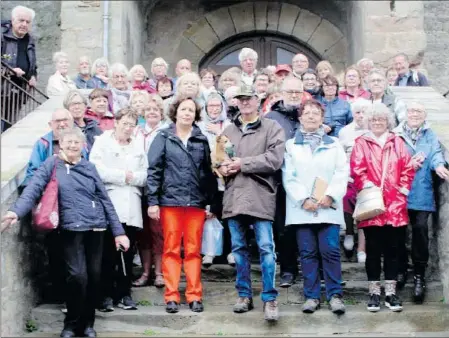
(46, 29)
(436, 26)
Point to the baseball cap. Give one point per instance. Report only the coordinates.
(281, 68)
(245, 91)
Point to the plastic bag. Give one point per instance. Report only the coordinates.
(212, 242)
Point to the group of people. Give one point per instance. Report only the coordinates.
(135, 169)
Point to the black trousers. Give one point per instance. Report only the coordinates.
(419, 221)
(56, 263)
(82, 252)
(226, 233)
(382, 240)
(285, 237)
(115, 283)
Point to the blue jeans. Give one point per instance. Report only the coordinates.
(315, 240)
(263, 231)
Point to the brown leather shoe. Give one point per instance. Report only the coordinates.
(271, 311)
(243, 304)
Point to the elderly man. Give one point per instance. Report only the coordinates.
(84, 79)
(300, 63)
(250, 197)
(365, 65)
(406, 76)
(120, 91)
(183, 66)
(248, 61)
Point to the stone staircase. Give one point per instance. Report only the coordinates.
(218, 319)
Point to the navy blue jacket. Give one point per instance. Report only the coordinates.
(83, 201)
(180, 176)
(287, 118)
(90, 131)
(416, 79)
(337, 114)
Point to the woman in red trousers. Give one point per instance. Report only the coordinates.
(180, 185)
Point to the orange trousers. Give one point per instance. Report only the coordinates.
(182, 223)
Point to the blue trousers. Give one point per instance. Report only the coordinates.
(263, 231)
(315, 240)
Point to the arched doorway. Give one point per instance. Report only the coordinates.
(272, 48)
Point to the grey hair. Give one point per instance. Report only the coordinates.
(229, 74)
(360, 105)
(213, 96)
(70, 96)
(247, 53)
(405, 56)
(371, 62)
(16, 10)
(75, 131)
(193, 75)
(414, 104)
(84, 57)
(294, 78)
(231, 92)
(376, 71)
(118, 68)
(159, 60)
(99, 62)
(378, 109)
(134, 69)
(59, 55)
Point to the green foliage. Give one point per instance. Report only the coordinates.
(144, 302)
(150, 332)
(31, 325)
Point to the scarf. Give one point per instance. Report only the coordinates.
(413, 133)
(312, 138)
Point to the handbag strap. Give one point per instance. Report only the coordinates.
(384, 170)
(53, 173)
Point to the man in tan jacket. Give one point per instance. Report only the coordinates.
(250, 197)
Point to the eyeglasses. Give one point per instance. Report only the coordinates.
(377, 80)
(214, 106)
(76, 103)
(293, 92)
(416, 111)
(129, 125)
(379, 120)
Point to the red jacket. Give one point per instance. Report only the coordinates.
(366, 165)
(344, 95)
(105, 122)
(145, 85)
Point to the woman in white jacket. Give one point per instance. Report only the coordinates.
(122, 163)
(312, 157)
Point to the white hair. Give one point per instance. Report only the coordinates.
(118, 68)
(247, 53)
(84, 57)
(134, 69)
(292, 78)
(99, 62)
(22, 9)
(59, 55)
(158, 61)
(376, 71)
(378, 109)
(231, 92)
(360, 105)
(371, 62)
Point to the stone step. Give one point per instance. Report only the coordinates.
(219, 320)
(219, 293)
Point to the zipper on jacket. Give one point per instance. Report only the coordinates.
(68, 169)
(93, 204)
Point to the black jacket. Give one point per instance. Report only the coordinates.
(287, 118)
(10, 46)
(180, 176)
(91, 130)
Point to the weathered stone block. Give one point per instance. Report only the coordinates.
(221, 22)
(273, 10)
(409, 8)
(202, 35)
(305, 25)
(406, 42)
(325, 36)
(260, 15)
(376, 7)
(187, 49)
(287, 20)
(243, 17)
(375, 41)
(338, 53)
(387, 24)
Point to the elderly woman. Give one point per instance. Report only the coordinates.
(122, 162)
(261, 83)
(187, 85)
(98, 109)
(228, 79)
(100, 69)
(85, 212)
(180, 185)
(119, 91)
(159, 69)
(208, 78)
(59, 83)
(427, 156)
(248, 61)
(76, 104)
(312, 157)
(391, 74)
(353, 86)
(164, 88)
(347, 138)
(380, 158)
(338, 112)
(150, 241)
(377, 84)
(232, 102)
(365, 65)
(138, 101)
(323, 69)
(311, 84)
(139, 77)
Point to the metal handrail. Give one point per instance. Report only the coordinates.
(18, 99)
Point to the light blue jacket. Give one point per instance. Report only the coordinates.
(421, 196)
(300, 169)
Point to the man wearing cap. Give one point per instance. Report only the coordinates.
(282, 71)
(250, 197)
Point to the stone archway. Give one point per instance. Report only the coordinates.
(317, 33)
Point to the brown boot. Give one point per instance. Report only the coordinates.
(271, 311)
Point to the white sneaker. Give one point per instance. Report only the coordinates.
(349, 242)
(231, 259)
(208, 260)
(361, 257)
(136, 260)
(64, 308)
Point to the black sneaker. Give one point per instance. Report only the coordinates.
(373, 303)
(287, 280)
(393, 303)
(107, 305)
(127, 303)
